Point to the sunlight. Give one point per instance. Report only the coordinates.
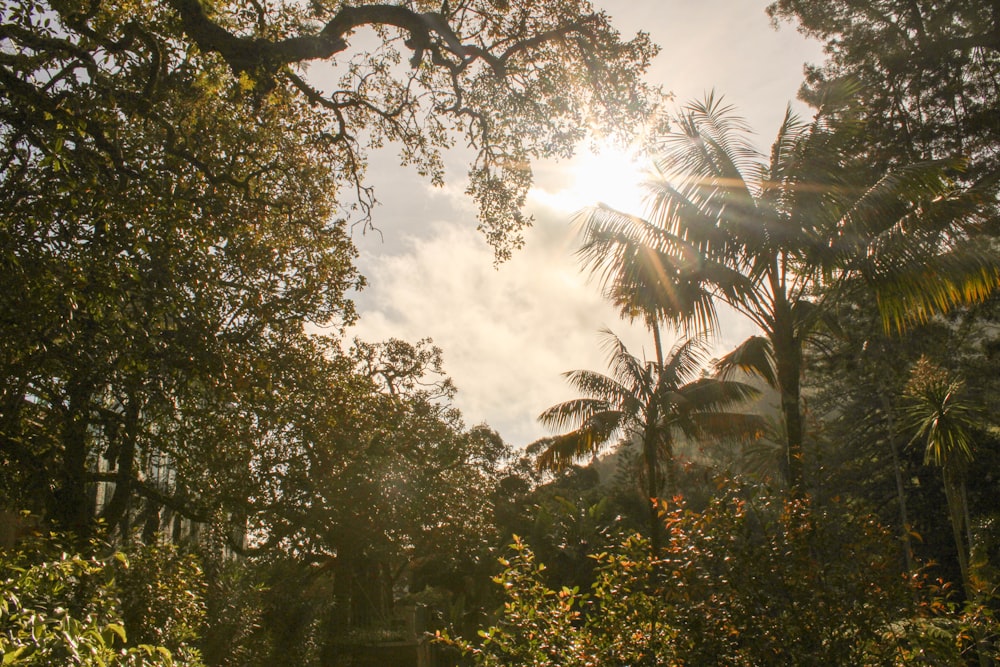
(612, 176)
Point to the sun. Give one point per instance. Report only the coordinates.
(610, 175)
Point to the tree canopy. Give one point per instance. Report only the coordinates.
(929, 88)
(177, 189)
(108, 86)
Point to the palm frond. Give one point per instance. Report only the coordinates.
(598, 386)
(783, 151)
(714, 142)
(754, 356)
(627, 370)
(891, 199)
(571, 414)
(706, 395)
(684, 361)
(670, 209)
(588, 440)
(914, 290)
(648, 273)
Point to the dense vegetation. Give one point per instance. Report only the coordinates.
(197, 468)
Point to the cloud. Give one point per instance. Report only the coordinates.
(508, 333)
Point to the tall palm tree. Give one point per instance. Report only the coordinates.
(944, 421)
(650, 402)
(775, 238)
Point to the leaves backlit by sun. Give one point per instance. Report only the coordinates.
(612, 176)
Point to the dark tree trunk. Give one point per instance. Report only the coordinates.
(649, 448)
(73, 508)
(897, 471)
(788, 359)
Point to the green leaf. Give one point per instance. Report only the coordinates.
(21, 651)
(117, 629)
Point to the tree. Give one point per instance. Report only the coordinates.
(726, 227)
(944, 421)
(650, 403)
(175, 190)
(927, 70)
(130, 312)
(513, 80)
(365, 489)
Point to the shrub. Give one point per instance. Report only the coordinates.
(753, 579)
(62, 608)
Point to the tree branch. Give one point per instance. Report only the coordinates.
(256, 55)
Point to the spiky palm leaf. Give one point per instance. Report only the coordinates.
(765, 237)
(639, 398)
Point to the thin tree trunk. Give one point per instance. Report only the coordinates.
(900, 488)
(652, 487)
(117, 510)
(968, 521)
(649, 447)
(953, 498)
(657, 343)
(959, 516)
(788, 359)
(654, 505)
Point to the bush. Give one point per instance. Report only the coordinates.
(163, 600)
(753, 579)
(61, 608)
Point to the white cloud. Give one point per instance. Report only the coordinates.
(509, 333)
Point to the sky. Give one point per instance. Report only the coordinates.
(508, 333)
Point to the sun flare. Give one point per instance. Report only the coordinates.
(612, 176)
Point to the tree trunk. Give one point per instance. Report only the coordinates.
(953, 498)
(118, 510)
(649, 448)
(788, 359)
(652, 487)
(900, 488)
(72, 510)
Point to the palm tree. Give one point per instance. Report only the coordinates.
(944, 421)
(776, 239)
(648, 402)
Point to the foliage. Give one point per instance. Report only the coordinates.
(753, 579)
(926, 77)
(235, 608)
(573, 516)
(514, 81)
(777, 240)
(540, 626)
(390, 472)
(383, 494)
(175, 195)
(944, 421)
(939, 415)
(165, 241)
(61, 608)
(759, 579)
(162, 593)
(928, 88)
(945, 632)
